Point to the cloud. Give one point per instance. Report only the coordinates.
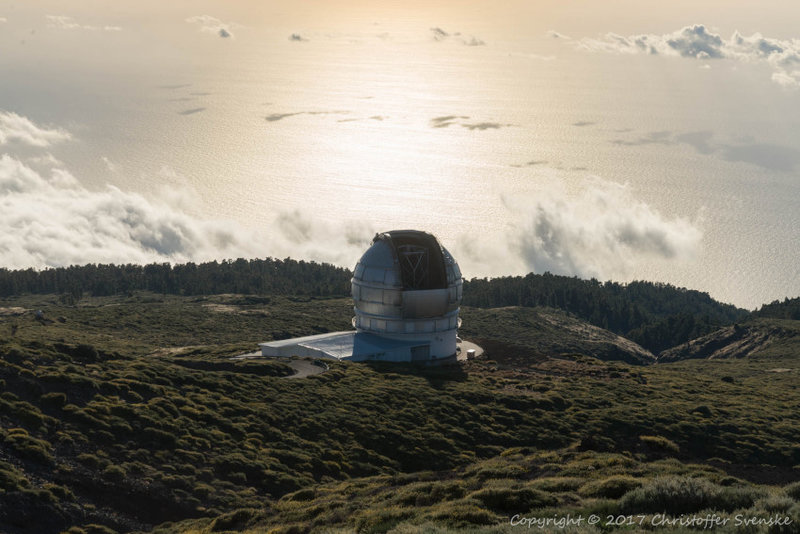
(16, 128)
(555, 35)
(191, 111)
(110, 165)
(769, 156)
(3, 20)
(446, 121)
(529, 163)
(766, 155)
(484, 125)
(274, 117)
(603, 231)
(474, 41)
(50, 219)
(213, 25)
(441, 35)
(64, 22)
(661, 137)
(697, 42)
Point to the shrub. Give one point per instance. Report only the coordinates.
(612, 487)
(30, 448)
(306, 494)
(235, 520)
(680, 495)
(379, 520)
(793, 490)
(114, 473)
(460, 513)
(513, 500)
(556, 484)
(54, 399)
(659, 443)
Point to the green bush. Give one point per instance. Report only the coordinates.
(53, 399)
(682, 495)
(513, 499)
(235, 520)
(29, 447)
(114, 473)
(659, 443)
(612, 487)
(793, 490)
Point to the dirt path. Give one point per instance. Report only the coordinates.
(302, 368)
(306, 368)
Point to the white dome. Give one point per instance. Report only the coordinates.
(406, 282)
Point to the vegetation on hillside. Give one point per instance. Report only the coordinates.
(256, 276)
(786, 309)
(656, 316)
(126, 413)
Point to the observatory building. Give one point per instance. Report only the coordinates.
(406, 295)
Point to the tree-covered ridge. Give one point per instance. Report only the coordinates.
(655, 315)
(256, 276)
(786, 309)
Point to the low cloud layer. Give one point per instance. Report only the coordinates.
(440, 35)
(213, 25)
(48, 218)
(698, 42)
(770, 156)
(446, 121)
(64, 22)
(18, 129)
(603, 231)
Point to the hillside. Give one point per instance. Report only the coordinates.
(550, 332)
(654, 315)
(747, 339)
(127, 413)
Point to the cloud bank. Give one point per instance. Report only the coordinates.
(213, 25)
(16, 128)
(603, 231)
(48, 218)
(698, 42)
(64, 22)
(440, 35)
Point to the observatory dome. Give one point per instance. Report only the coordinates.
(407, 286)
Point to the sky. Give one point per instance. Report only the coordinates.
(620, 140)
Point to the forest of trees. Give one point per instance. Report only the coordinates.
(785, 309)
(657, 316)
(257, 276)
